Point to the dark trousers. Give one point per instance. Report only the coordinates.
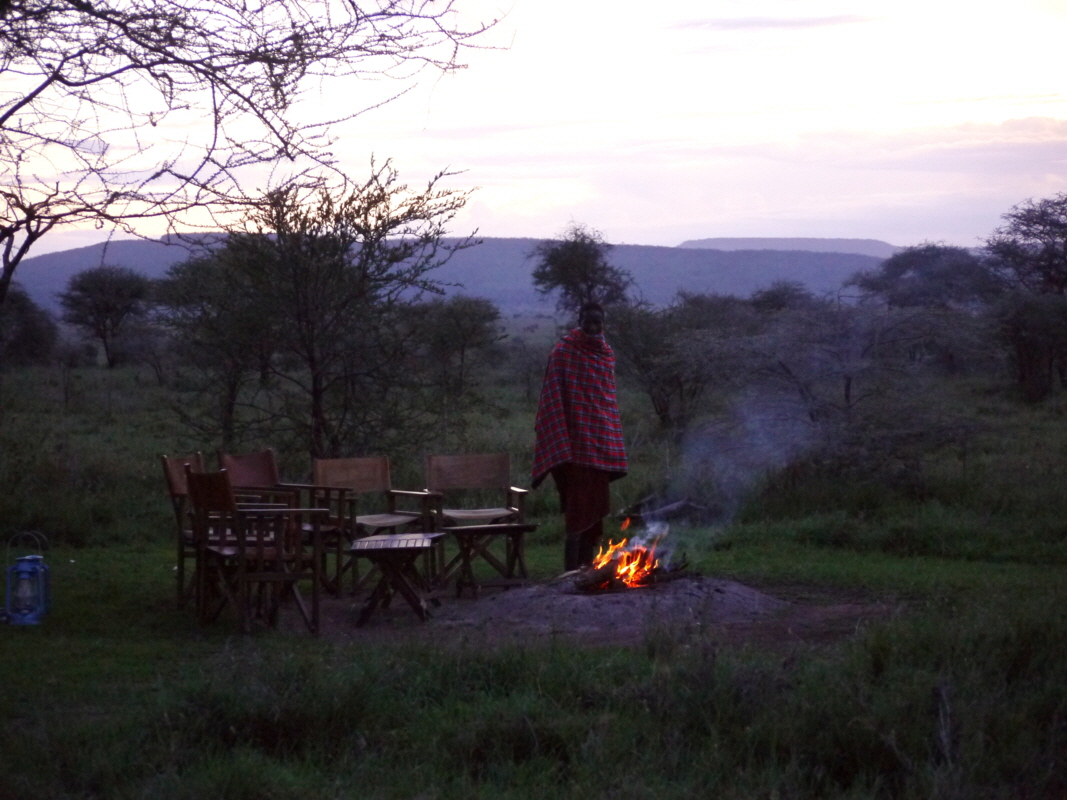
(585, 500)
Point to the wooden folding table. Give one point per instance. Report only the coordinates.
(394, 555)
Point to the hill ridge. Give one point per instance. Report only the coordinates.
(867, 247)
(500, 268)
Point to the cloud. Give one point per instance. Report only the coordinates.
(1033, 145)
(942, 183)
(772, 23)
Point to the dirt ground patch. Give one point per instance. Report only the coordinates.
(725, 610)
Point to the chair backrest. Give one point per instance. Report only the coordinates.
(174, 472)
(478, 471)
(367, 474)
(251, 469)
(210, 492)
(214, 505)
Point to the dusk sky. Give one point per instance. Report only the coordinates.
(900, 120)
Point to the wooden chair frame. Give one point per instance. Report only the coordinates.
(256, 478)
(247, 556)
(481, 471)
(174, 473)
(475, 529)
(342, 484)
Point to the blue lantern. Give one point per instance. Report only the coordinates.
(29, 590)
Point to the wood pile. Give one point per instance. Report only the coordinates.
(605, 578)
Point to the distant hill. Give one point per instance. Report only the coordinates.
(499, 269)
(863, 247)
(43, 277)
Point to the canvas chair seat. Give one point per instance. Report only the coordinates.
(265, 554)
(485, 472)
(482, 515)
(375, 522)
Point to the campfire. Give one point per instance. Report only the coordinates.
(629, 564)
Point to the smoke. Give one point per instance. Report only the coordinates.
(723, 460)
(653, 534)
(655, 537)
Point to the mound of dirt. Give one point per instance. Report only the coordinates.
(725, 610)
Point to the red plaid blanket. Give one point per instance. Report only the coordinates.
(578, 415)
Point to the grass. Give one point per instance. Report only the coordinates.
(119, 695)
(963, 695)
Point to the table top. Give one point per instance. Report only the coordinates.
(397, 541)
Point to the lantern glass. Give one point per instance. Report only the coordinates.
(28, 591)
(25, 593)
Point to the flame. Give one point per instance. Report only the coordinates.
(625, 524)
(633, 563)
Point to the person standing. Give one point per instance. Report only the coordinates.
(579, 433)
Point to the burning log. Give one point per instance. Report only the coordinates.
(626, 565)
(597, 579)
(605, 579)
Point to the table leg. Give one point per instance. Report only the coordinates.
(399, 575)
(400, 582)
(515, 557)
(380, 593)
(466, 568)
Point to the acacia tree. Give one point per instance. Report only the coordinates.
(113, 111)
(781, 296)
(461, 334)
(1030, 249)
(1030, 252)
(27, 332)
(219, 332)
(101, 301)
(1034, 326)
(576, 266)
(329, 277)
(674, 353)
(930, 275)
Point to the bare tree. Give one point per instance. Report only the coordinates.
(113, 111)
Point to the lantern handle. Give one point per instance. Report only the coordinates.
(39, 542)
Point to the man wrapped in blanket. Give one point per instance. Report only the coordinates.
(579, 433)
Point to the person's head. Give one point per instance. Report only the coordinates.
(591, 318)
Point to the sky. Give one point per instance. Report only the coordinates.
(655, 123)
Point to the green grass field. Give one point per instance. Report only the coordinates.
(964, 695)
